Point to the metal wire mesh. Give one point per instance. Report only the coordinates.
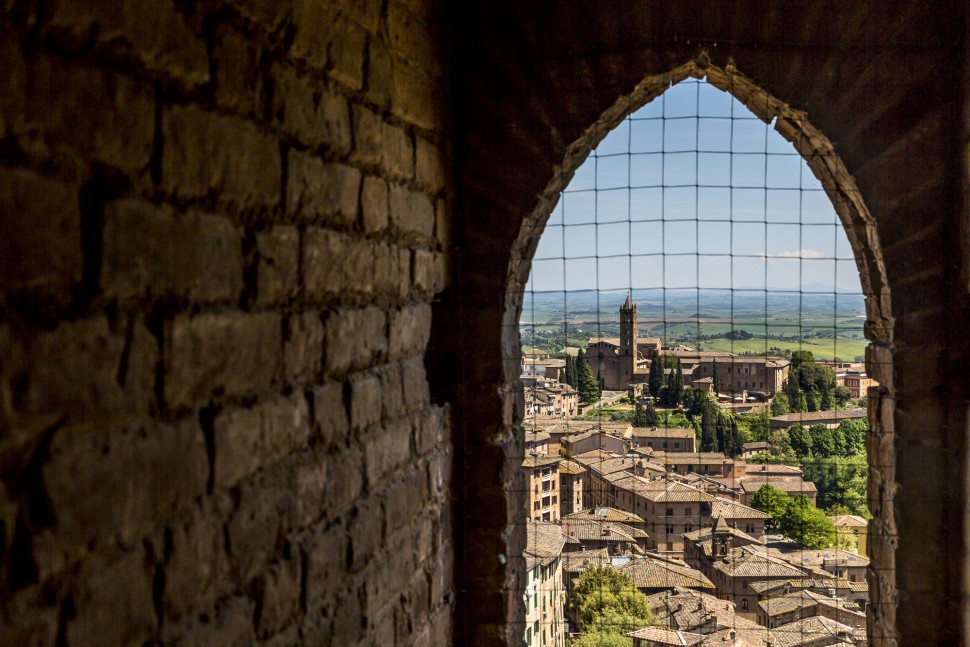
(694, 231)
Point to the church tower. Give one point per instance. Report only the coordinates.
(628, 341)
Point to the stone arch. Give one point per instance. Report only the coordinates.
(860, 226)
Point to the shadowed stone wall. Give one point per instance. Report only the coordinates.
(223, 222)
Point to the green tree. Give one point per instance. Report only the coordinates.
(692, 401)
(604, 639)
(840, 481)
(824, 443)
(569, 373)
(588, 386)
(806, 524)
(675, 382)
(842, 396)
(854, 433)
(717, 380)
(779, 404)
(650, 417)
(773, 501)
(800, 440)
(655, 379)
(606, 600)
(706, 426)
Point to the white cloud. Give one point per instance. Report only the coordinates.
(803, 253)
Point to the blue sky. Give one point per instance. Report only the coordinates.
(694, 191)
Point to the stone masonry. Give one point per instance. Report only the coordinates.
(222, 227)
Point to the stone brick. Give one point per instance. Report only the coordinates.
(355, 338)
(442, 227)
(429, 428)
(278, 271)
(285, 421)
(368, 142)
(115, 128)
(318, 191)
(113, 603)
(236, 71)
(257, 525)
(382, 580)
(157, 35)
(374, 204)
(379, 73)
(405, 498)
(311, 112)
(414, 96)
(425, 277)
(111, 482)
(347, 52)
(365, 400)
(392, 392)
(398, 151)
(385, 450)
(415, 382)
(196, 569)
(237, 440)
(388, 270)
(411, 211)
(347, 612)
(330, 412)
(429, 166)
(326, 559)
(232, 626)
(410, 40)
(310, 487)
(311, 40)
(152, 250)
(303, 348)
(41, 221)
(335, 263)
(346, 469)
(280, 597)
(366, 529)
(85, 369)
(203, 358)
(227, 155)
(409, 329)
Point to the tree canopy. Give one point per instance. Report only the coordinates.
(606, 601)
(795, 517)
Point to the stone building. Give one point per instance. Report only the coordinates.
(621, 361)
(263, 268)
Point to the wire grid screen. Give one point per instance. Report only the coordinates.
(692, 331)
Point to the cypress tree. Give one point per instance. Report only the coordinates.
(587, 384)
(717, 380)
(656, 378)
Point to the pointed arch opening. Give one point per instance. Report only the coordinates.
(841, 191)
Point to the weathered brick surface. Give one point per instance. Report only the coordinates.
(42, 232)
(204, 356)
(149, 249)
(229, 156)
(318, 191)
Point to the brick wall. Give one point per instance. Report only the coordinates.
(536, 85)
(223, 224)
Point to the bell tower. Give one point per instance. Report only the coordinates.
(628, 341)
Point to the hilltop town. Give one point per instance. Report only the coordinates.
(696, 479)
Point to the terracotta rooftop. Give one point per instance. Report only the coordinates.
(662, 636)
(605, 513)
(654, 573)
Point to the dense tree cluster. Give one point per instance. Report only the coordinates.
(667, 387)
(795, 517)
(833, 459)
(570, 374)
(810, 387)
(607, 605)
(645, 415)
